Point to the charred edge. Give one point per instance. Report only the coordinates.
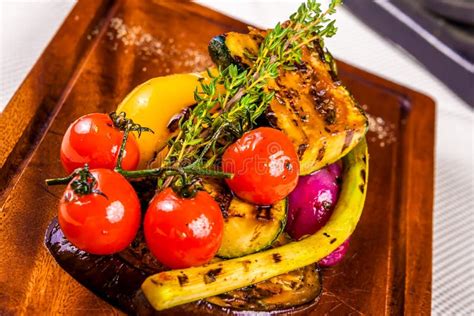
(347, 140)
(255, 236)
(272, 118)
(326, 235)
(301, 67)
(224, 202)
(246, 264)
(257, 38)
(318, 47)
(279, 98)
(361, 188)
(330, 117)
(333, 241)
(323, 104)
(276, 257)
(155, 282)
(292, 95)
(301, 150)
(211, 275)
(183, 279)
(264, 213)
(238, 60)
(321, 153)
(362, 175)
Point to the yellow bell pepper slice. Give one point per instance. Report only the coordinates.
(153, 104)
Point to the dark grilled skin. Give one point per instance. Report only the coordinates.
(311, 105)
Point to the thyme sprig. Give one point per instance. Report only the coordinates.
(222, 115)
(227, 105)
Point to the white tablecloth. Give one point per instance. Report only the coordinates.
(27, 26)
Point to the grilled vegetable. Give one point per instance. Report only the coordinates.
(287, 290)
(311, 203)
(311, 106)
(284, 291)
(154, 104)
(163, 290)
(248, 228)
(336, 256)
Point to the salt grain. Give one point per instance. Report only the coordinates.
(150, 48)
(384, 131)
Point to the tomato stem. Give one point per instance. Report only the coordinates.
(81, 180)
(58, 181)
(175, 171)
(118, 166)
(150, 173)
(126, 125)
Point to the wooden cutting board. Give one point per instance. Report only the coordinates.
(103, 50)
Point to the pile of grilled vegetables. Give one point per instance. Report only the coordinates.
(278, 84)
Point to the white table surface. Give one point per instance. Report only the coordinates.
(26, 27)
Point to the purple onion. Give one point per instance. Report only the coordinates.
(312, 201)
(336, 256)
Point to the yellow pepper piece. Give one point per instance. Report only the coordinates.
(153, 103)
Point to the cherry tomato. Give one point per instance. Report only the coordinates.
(265, 166)
(183, 232)
(101, 224)
(94, 140)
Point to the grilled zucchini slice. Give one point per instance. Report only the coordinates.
(311, 105)
(248, 228)
(281, 292)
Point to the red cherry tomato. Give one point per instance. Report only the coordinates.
(101, 224)
(265, 166)
(183, 232)
(94, 140)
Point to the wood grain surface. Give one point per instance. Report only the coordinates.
(103, 50)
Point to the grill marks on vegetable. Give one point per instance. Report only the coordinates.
(301, 149)
(311, 110)
(221, 194)
(264, 212)
(363, 175)
(183, 279)
(276, 257)
(347, 140)
(283, 291)
(248, 228)
(211, 275)
(310, 105)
